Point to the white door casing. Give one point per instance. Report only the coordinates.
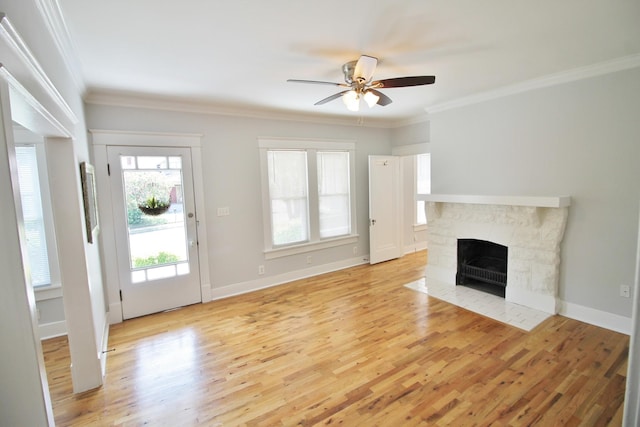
(385, 238)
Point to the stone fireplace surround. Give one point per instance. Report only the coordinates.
(531, 227)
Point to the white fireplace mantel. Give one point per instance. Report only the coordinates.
(532, 201)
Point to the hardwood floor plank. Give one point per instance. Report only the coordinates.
(352, 347)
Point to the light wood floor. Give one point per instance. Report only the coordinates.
(353, 347)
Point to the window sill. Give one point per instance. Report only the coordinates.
(47, 292)
(308, 247)
(419, 227)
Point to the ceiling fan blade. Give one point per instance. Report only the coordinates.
(365, 67)
(331, 98)
(404, 82)
(317, 82)
(383, 99)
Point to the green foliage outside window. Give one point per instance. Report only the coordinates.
(160, 259)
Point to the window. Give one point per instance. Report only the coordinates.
(308, 195)
(288, 196)
(334, 193)
(39, 246)
(423, 185)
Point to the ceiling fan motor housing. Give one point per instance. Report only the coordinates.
(348, 70)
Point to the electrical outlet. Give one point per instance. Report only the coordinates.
(625, 291)
(224, 211)
(309, 259)
(261, 269)
(355, 250)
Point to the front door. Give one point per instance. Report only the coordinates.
(155, 228)
(385, 241)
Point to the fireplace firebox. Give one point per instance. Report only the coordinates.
(482, 265)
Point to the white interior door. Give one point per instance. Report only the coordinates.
(385, 239)
(155, 228)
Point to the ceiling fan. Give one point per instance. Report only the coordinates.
(358, 75)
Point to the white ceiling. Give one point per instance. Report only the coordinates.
(238, 54)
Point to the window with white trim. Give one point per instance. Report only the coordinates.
(423, 185)
(38, 227)
(308, 194)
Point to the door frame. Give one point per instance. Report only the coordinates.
(103, 138)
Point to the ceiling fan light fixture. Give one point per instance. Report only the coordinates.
(358, 77)
(371, 98)
(352, 100)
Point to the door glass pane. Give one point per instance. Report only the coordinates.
(156, 226)
(152, 162)
(128, 162)
(175, 162)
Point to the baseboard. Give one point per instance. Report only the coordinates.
(104, 348)
(267, 282)
(595, 317)
(115, 313)
(52, 329)
(205, 290)
(416, 247)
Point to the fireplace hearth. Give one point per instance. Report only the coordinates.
(482, 265)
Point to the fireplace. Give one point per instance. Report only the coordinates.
(530, 227)
(482, 265)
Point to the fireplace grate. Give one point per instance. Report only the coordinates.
(482, 265)
(481, 270)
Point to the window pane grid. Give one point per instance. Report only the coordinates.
(157, 235)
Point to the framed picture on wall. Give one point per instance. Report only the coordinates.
(88, 179)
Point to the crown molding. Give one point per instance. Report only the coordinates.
(169, 104)
(594, 70)
(50, 11)
(422, 118)
(24, 73)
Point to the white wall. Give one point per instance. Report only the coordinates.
(407, 141)
(412, 133)
(25, 402)
(232, 179)
(579, 139)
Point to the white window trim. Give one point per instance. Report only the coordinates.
(315, 242)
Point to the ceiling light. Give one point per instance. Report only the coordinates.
(352, 100)
(371, 98)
